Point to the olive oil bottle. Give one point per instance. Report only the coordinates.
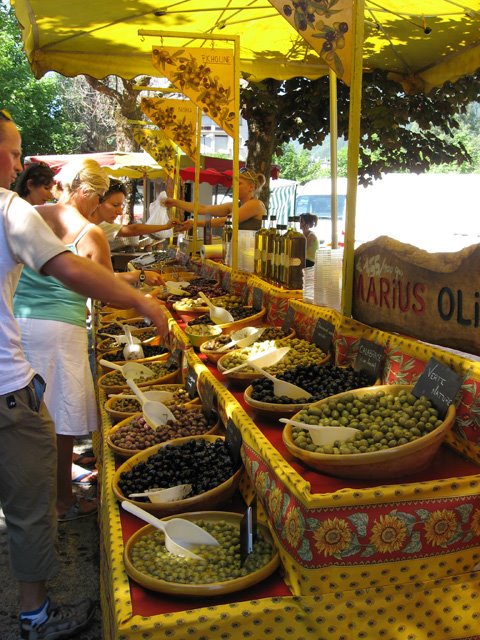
(267, 263)
(227, 243)
(278, 251)
(260, 240)
(294, 262)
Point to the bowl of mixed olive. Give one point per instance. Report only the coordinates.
(319, 380)
(132, 435)
(200, 333)
(138, 326)
(301, 352)
(242, 317)
(152, 353)
(218, 572)
(120, 407)
(211, 348)
(398, 433)
(204, 462)
(163, 372)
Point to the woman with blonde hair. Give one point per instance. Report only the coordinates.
(250, 210)
(52, 321)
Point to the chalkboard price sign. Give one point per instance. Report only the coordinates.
(323, 335)
(370, 359)
(289, 320)
(439, 384)
(257, 299)
(175, 358)
(191, 382)
(248, 532)
(209, 398)
(234, 442)
(245, 295)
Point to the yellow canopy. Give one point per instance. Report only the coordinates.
(425, 41)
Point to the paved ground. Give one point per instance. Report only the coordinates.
(78, 577)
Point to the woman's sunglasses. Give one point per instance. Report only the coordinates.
(4, 115)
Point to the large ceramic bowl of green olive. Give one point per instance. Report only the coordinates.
(219, 571)
(399, 434)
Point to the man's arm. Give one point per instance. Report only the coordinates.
(95, 281)
(138, 229)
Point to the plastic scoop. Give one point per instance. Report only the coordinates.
(322, 434)
(243, 338)
(219, 315)
(267, 359)
(282, 388)
(130, 370)
(175, 288)
(154, 396)
(133, 349)
(156, 414)
(180, 534)
(158, 496)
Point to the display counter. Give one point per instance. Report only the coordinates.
(395, 560)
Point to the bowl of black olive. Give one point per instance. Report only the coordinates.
(318, 380)
(398, 433)
(204, 462)
(218, 570)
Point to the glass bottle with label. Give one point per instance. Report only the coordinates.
(259, 254)
(227, 243)
(294, 264)
(269, 240)
(278, 253)
(207, 230)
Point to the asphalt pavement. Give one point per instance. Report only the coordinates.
(78, 578)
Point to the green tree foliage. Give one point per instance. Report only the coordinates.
(400, 132)
(296, 164)
(34, 104)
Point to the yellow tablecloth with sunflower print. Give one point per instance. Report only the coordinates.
(397, 561)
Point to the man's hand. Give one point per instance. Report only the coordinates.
(153, 279)
(155, 311)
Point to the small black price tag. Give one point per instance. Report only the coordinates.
(191, 382)
(439, 384)
(245, 291)
(175, 359)
(323, 335)
(287, 323)
(257, 299)
(248, 532)
(370, 359)
(233, 440)
(209, 399)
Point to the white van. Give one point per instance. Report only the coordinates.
(315, 197)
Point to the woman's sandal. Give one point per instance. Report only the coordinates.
(75, 511)
(85, 459)
(82, 476)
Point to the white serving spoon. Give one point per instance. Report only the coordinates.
(129, 369)
(154, 396)
(219, 315)
(322, 434)
(133, 349)
(283, 388)
(175, 288)
(180, 534)
(156, 414)
(243, 338)
(159, 496)
(267, 359)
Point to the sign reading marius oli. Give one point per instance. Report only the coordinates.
(434, 297)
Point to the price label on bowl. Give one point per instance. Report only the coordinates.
(439, 384)
(370, 358)
(175, 359)
(288, 322)
(257, 299)
(234, 441)
(322, 335)
(245, 295)
(209, 398)
(248, 531)
(191, 382)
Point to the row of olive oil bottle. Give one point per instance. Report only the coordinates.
(279, 254)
